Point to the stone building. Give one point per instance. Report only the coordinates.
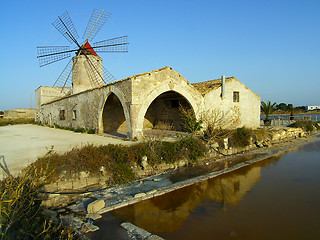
(146, 101)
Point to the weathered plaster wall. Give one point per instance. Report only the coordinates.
(87, 73)
(245, 113)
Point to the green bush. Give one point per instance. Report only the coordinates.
(241, 137)
(189, 121)
(306, 125)
(122, 174)
(91, 131)
(80, 130)
(116, 159)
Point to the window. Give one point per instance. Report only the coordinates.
(62, 115)
(74, 114)
(236, 97)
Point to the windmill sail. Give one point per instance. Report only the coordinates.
(65, 26)
(119, 44)
(97, 19)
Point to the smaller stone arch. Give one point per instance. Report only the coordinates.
(113, 109)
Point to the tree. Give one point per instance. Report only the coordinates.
(282, 106)
(267, 109)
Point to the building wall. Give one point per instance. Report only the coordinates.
(313, 107)
(245, 113)
(138, 102)
(147, 87)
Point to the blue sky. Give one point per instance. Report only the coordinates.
(271, 46)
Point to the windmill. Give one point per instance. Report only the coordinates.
(85, 69)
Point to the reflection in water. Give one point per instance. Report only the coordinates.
(166, 213)
(278, 198)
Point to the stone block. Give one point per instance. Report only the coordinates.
(95, 206)
(138, 195)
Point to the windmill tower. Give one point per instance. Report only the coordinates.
(84, 70)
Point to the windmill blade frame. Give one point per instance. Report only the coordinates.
(65, 76)
(96, 21)
(51, 54)
(65, 26)
(118, 44)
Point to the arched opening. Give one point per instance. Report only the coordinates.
(113, 117)
(165, 112)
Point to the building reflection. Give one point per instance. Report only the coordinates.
(166, 213)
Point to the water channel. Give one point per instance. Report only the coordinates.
(277, 198)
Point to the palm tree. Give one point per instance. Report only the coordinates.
(267, 109)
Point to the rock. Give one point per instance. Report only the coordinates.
(214, 145)
(83, 175)
(89, 227)
(56, 201)
(144, 162)
(152, 191)
(156, 179)
(50, 214)
(94, 216)
(138, 195)
(225, 143)
(95, 206)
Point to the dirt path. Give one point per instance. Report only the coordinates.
(23, 144)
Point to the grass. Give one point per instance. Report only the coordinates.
(6, 122)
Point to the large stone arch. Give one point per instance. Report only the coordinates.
(120, 96)
(167, 87)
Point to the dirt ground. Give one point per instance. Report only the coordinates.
(23, 144)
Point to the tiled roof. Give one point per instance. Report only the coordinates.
(207, 86)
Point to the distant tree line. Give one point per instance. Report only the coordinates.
(289, 107)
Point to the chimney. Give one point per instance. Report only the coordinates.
(223, 86)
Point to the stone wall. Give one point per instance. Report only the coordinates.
(19, 113)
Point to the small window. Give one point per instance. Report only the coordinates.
(62, 115)
(74, 114)
(236, 97)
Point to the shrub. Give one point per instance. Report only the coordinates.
(20, 208)
(189, 121)
(122, 174)
(81, 130)
(241, 137)
(306, 125)
(91, 131)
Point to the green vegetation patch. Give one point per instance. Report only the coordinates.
(306, 125)
(241, 137)
(6, 122)
(116, 160)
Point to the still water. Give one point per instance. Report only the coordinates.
(278, 198)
